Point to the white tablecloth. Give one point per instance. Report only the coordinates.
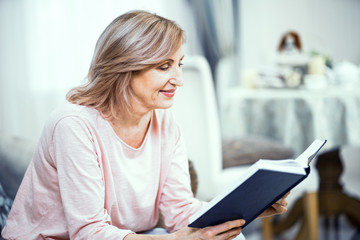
(294, 117)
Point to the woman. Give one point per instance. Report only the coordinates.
(110, 160)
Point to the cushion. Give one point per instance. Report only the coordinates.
(5, 206)
(15, 155)
(245, 151)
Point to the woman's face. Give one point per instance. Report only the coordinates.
(155, 87)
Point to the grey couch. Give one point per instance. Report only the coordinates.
(15, 155)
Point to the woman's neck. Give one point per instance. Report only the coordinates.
(131, 127)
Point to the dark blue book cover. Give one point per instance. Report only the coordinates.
(250, 199)
(264, 184)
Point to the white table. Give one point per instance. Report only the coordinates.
(294, 117)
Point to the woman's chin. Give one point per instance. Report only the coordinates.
(165, 105)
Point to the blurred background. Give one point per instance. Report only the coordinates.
(284, 71)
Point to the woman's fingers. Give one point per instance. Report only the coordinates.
(279, 208)
(231, 234)
(223, 231)
(282, 202)
(286, 195)
(228, 225)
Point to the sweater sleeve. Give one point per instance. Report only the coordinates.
(177, 202)
(81, 182)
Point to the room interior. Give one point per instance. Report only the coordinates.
(274, 75)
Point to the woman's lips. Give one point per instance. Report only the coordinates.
(168, 93)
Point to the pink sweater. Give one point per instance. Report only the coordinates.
(84, 182)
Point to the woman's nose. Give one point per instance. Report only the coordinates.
(176, 78)
(177, 81)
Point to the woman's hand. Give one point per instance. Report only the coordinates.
(224, 231)
(277, 208)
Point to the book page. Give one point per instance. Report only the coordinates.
(288, 165)
(279, 162)
(307, 156)
(303, 160)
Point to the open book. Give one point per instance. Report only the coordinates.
(264, 183)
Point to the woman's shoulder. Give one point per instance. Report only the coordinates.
(68, 112)
(72, 110)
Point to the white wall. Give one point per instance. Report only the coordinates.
(46, 48)
(329, 26)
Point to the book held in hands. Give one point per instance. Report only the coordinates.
(264, 183)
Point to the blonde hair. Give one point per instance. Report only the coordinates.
(132, 42)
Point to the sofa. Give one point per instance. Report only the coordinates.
(15, 155)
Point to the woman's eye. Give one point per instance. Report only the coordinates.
(164, 67)
(181, 64)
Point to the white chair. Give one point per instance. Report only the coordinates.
(227, 74)
(196, 112)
